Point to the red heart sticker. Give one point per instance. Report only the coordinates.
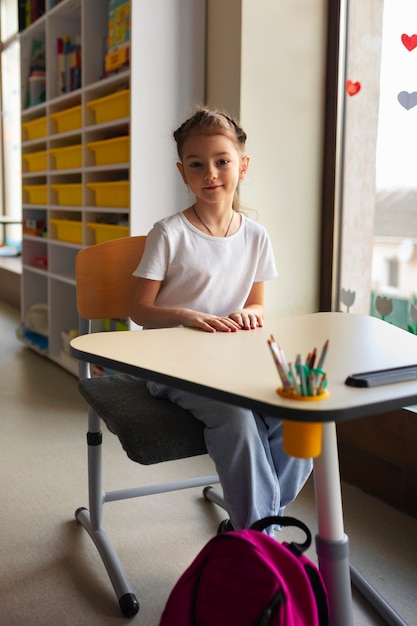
(352, 88)
(410, 41)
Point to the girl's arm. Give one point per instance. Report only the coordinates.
(251, 316)
(146, 313)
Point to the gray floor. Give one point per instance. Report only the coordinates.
(49, 571)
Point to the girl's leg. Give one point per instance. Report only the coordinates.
(250, 487)
(291, 472)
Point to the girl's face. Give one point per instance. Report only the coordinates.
(212, 167)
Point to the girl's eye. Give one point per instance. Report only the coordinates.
(198, 164)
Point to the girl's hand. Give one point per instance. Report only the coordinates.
(246, 319)
(210, 323)
(146, 313)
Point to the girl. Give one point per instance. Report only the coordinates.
(205, 268)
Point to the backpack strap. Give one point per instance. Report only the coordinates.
(296, 548)
(320, 594)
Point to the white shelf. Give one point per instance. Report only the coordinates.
(162, 87)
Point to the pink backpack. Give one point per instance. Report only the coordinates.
(246, 578)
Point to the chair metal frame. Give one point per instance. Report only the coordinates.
(105, 289)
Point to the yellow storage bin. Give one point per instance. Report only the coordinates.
(68, 230)
(69, 194)
(111, 194)
(67, 120)
(68, 157)
(35, 129)
(112, 107)
(110, 151)
(105, 232)
(38, 194)
(36, 161)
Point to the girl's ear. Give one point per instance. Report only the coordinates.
(244, 167)
(181, 171)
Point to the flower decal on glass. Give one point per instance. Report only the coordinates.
(384, 306)
(413, 315)
(348, 298)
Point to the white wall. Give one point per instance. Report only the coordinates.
(168, 78)
(265, 64)
(280, 103)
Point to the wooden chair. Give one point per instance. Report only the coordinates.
(150, 430)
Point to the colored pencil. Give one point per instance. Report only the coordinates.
(282, 374)
(323, 355)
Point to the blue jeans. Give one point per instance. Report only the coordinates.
(258, 478)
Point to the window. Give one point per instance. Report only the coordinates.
(10, 172)
(374, 228)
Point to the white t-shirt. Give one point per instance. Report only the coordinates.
(204, 273)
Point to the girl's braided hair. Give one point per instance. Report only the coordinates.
(207, 121)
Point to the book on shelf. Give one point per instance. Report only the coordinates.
(30, 11)
(36, 71)
(21, 7)
(68, 63)
(118, 50)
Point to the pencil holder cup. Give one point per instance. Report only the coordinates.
(302, 439)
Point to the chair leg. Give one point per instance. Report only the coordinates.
(212, 495)
(128, 602)
(92, 521)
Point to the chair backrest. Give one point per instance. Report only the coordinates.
(105, 285)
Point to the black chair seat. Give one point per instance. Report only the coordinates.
(151, 430)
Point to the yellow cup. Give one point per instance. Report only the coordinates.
(302, 439)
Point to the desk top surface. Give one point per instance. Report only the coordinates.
(238, 367)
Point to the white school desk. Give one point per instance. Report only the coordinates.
(238, 368)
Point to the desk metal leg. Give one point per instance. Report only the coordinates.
(332, 543)
(380, 605)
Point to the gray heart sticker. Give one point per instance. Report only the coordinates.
(407, 100)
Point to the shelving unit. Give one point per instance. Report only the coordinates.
(78, 148)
